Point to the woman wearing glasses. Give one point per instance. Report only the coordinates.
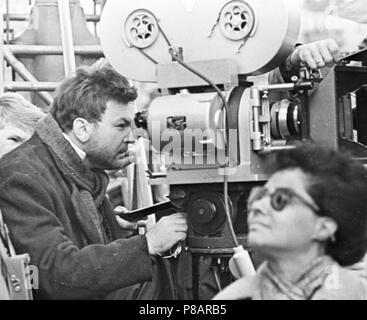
(308, 222)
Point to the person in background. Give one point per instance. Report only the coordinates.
(309, 224)
(18, 119)
(53, 197)
(321, 55)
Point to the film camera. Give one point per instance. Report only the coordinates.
(216, 122)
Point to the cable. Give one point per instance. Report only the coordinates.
(147, 55)
(164, 35)
(173, 53)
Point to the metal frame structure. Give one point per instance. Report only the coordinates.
(67, 37)
(9, 17)
(24, 17)
(8, 52)
(2, 72)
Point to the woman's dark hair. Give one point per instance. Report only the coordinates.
(86, 94)
(338, 185)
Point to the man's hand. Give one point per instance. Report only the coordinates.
(125, 225)
(166, 233)
(317, 55)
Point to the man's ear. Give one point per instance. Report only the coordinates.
(82, 130)
(325, 229)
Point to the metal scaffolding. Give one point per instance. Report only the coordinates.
(9, 53)
(25, 17)
(31, 50)
(22, 71)
(67, 37)
(2, 73)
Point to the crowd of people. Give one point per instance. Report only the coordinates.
(308, 222)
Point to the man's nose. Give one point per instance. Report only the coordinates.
(130, 139)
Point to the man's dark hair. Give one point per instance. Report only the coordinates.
(338, 185)
(86, 94)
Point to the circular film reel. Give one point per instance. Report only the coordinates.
(141, 29)
(237, 20)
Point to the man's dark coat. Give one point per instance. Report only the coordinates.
(62, 239)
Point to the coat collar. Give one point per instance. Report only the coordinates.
(68, 160)
(307, 283)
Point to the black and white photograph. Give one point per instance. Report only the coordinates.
(184, 156)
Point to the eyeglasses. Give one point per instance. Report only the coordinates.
(279, 198)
